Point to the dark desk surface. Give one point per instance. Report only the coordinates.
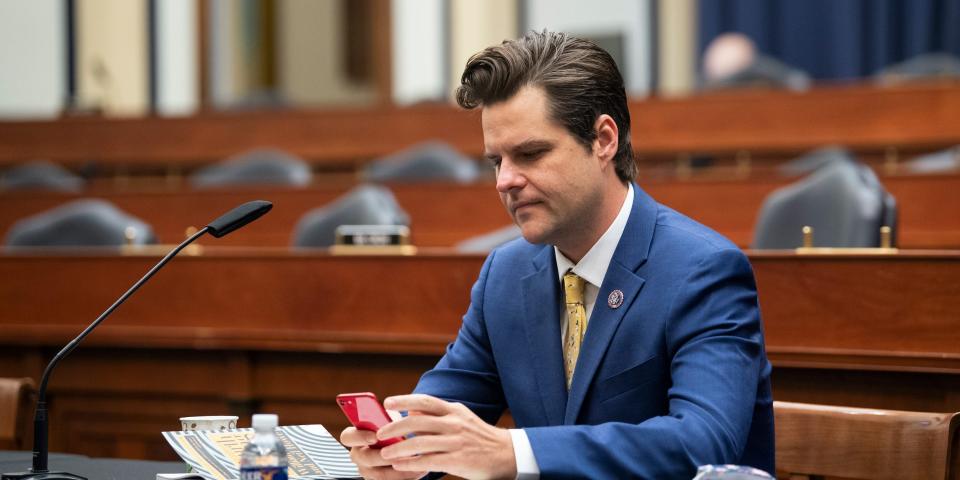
(92, 468)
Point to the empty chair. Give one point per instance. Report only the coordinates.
(921, 67)
(865, 443)
(16, 411)
(254, 167)
(490, 240)
(814, 159)
(428, 162)
(81, 223)
(364, 205)
(943, 161)
(843, 201)
(41, 175)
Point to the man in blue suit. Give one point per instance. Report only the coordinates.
(623, 337)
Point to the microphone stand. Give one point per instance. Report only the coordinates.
(219, 227)
(40, 421)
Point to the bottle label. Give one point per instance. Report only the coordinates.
(263, 473)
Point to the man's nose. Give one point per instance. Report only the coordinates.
(509, 177)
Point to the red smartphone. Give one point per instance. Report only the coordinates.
(366, 413)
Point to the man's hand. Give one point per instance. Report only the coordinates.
(449, 438)
(371, 464)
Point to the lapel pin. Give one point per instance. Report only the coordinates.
(615, 299)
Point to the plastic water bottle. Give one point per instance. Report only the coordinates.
(264, 458)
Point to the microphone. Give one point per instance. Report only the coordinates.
(223, 225)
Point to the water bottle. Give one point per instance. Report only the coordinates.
(264, 458)
(730, 472)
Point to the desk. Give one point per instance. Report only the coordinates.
(865, 117)
(440, 214)
(92, 468)
(237, 331)
(444, 214)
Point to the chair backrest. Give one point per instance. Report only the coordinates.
(815, 159)
(486, 242)
(920, 67)
(935, 162)
(842, 200)
(364, 205)
(81, 223)
(255, 167)
(427, 162)
(862, 443)
(41, 175)
(16, 408)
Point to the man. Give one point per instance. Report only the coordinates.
(646, 362)
(731, 60)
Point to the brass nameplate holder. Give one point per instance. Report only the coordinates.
(885, 248)
(373, 240)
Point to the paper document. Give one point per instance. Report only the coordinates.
(312, 453)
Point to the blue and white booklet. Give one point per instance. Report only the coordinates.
(312, 453)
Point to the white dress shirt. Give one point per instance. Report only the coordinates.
(592, 268)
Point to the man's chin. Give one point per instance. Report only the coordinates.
(533, 234)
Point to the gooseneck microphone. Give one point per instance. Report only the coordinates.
(223, 225)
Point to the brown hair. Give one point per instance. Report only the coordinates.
(580, 79)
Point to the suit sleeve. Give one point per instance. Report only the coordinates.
(467, 372)
(715, 343)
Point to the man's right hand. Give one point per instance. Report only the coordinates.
(368, 460)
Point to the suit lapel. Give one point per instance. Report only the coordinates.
(541, 300)
(621, 275)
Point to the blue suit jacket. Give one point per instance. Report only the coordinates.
(675, 377)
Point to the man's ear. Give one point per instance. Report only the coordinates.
(608, 138)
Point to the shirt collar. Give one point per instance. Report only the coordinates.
(593, 265)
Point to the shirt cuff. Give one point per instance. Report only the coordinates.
(527, 468)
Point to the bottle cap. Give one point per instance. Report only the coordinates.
(264, 421)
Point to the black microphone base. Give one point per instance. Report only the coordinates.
(41, 476)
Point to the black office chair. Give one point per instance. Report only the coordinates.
(843, 201)
(936, 162)
(81, 223)
(428, 162)
(921, 67)
(488, 241)
(815, 159)
(364, 205)
(254, 167)
(41, 175)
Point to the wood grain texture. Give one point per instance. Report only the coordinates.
(237, 331)
(865, 443)
(445, 214)
(440, 214)
(863, 117)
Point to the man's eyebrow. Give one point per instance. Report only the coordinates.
(533, 145)
(524, 146)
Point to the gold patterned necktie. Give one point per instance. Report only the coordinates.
(573, 287)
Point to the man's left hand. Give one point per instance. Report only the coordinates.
(449, 438)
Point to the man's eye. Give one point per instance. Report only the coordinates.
(532, 155)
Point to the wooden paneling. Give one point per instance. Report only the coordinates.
(864, 117)
(444, 214)
(441, 215)
(241, 331)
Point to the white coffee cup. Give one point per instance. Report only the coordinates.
(217, 423)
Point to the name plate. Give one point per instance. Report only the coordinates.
(373, 240)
